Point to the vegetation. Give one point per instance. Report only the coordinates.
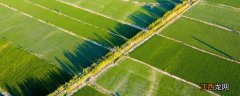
(223, 16)
(21, 72)
(206, 37)
(188, 63)
(234, 3)
(81, 29)
(88, 91)
(132, 78)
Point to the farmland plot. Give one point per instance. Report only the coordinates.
(68, 52)
(189, 64)
(21, 72)
(200, 35)
(234, 3)
(75, 27)
(88, 91)
(95, 20)
(139, 14)
(131, 78)
(222, 16)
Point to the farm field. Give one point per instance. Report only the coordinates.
(223, 16)
(95, 20)
(80, 29)
(234, 3)
(88, 91)
(50, 44)
(209, 38)
(189, 64)
(126, 10)
(21, 72)
(131, 78)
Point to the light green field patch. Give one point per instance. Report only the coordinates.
(209, 38)
(88, 91)
(60, 48)
(222, 16)
(131, 78)
(21, 72)
(188, 63)
(234, 3)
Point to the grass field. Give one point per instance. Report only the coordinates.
(90, 18)
(131, 78)
(138, 14)
(213, 39)
(88, 91)
(21, 72)
(96, 34)
(234, 3)
(66, 51)
(223, 16)
(189, 64)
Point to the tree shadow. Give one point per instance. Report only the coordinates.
(83, 56)
(150, 13)
(33, 86)
(214, 48)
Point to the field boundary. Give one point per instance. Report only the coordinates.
(97, 13)
(170, 75)
(57, 27)
(198, 49)
(211, 24)
(75, 19)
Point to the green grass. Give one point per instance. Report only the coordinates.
(22, 73)
(125, 11)
(213, 39)
(223, 16)
(234, 3)
(88, 91)
(131, 78)
(85, 16)
(96, 34)
(189, 64)
(66, 51)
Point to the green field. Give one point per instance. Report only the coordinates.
(206, 37)
(66, 51)
(90, 18)
(88, 91)
(234, 3)
(140, 15)
(189, 64)
(21, 72)
(131, 78)
(96, 34)
(222, 16)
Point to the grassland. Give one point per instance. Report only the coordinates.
(213, 39)
(88, 91)
(137, 14)
(234, 3)
(96, 34)
(96, 20)
(223, 16)
(131, 78)
(66, 51)
(188, 63)
(21, 72)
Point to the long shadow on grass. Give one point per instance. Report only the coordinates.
(39, 86)
(150, 13)
(214, 48)
(83, 56)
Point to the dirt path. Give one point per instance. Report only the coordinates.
(154, 82)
